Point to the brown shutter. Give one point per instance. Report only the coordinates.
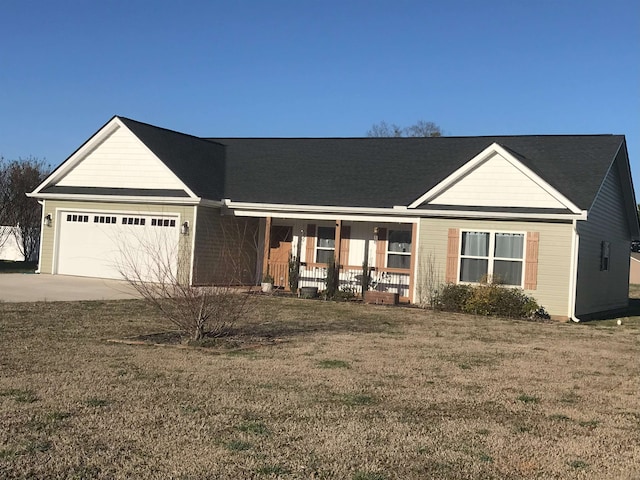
(531, 262)
(453, 250)
(311, 244)
(381, 248)
(345, 234)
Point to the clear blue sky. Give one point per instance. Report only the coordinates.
(317, 68)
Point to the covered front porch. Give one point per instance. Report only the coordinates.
(384, 253)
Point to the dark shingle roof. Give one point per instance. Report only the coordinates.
(366, 172)
(383, 172)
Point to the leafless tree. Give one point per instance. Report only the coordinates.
(419, 129)
(148, 264)
(17, 178)
(383, 129)
(423, 129)
(4, 202)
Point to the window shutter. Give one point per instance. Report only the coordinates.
(453, 250)
(345, 234)
(381, 248)
(531, 262)
(311, 243)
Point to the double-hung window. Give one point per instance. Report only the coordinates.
(326, 244)
(492, 256)
(399, 249)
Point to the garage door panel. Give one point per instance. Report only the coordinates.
(112, 245)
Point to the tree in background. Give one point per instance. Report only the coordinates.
(17, 178)
(4, 202)
(419, 129)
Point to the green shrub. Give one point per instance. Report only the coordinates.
(294, 273)
(332, 281)
(453, 298)
(490, 299)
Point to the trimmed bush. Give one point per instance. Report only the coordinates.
(453, 298)
(490, 299)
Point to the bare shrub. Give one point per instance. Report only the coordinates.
(429, 282)
(149, 265)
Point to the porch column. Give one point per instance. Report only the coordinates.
(414, 250)
(267, 244)
(336, 252)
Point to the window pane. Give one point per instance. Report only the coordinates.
(326, 237)
(399, 241)
(475, 243)
(509, 245)
(399, 261)
(473, 269)
(324, 256)
(507, 273)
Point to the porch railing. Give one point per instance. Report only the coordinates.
(351, 279)
(280, 273)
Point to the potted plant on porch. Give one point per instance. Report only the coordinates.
(267, 283)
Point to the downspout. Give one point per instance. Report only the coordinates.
(573, 283)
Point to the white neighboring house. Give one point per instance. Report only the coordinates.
(9, 249)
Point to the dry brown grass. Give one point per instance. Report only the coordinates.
(352, 392)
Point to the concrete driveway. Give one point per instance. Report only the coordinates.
(23, 287)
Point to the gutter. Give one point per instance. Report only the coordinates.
(127, 199)
(261, 209)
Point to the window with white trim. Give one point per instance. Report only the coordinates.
(103, 219)
(399, 249)
(133, 221)
(325, 244)
(160, 222)
(78, 218)
(492, 256)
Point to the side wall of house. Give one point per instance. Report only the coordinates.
(554, 256)
(600, 289)
(49, 235)
(226, 248)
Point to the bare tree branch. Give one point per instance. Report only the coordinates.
(419, 129)
(148, 264)
(17, 178)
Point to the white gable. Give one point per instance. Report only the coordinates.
(497, 183)
(119, 160)
(495, 178)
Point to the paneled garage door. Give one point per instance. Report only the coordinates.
(112, 245)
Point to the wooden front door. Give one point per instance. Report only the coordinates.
(279, 250)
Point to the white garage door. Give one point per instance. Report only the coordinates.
(112, 245)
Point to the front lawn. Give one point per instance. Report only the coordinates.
(344, 391)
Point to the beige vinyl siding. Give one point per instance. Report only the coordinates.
(53, 206)
(47, 235)
(597, 290)
(554, 261)
(226, 248)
